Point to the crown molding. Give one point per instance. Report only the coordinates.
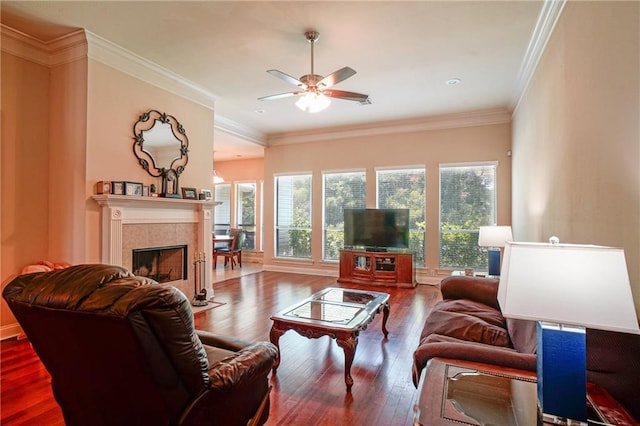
(110, 54)
(234, 128)
(84, 44)
(546, 23)
(448, 121)
(24, 46)
(68, 48)
(59, 51)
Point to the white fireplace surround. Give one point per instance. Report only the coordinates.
(119, 210)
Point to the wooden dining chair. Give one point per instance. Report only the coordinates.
(233, 253)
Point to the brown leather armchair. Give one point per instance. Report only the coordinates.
(122, 350)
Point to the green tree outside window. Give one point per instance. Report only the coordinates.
(342, 190)
(467, 201)
(405, 189)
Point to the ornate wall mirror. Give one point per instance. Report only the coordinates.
(161, 146)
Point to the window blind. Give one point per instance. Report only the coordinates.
(341, 190)
(467, 201)
(293, 216)
(222, 212)
(405, 189)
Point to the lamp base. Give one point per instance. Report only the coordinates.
(494, 261)
(562, 376)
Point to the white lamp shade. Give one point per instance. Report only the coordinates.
(494, 236)
(569, 284)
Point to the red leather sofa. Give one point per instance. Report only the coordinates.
(467, 324)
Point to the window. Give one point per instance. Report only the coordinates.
(467, 201)
(405, 189)
(341, 191)
(222, 212)
(293, 216)
(261, 239)
(246, 212)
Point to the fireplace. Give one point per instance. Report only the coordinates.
(162, 264)
(135, 223)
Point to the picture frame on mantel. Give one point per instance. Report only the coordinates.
(103, 187)
(205, 194)
(117, 188)
(189, 194)
(133, 189)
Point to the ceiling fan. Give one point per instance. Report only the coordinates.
(315, 90)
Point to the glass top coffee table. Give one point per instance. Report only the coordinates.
(339, 313)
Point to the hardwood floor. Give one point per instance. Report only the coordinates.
(308, 388)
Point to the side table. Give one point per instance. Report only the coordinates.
(456, 392)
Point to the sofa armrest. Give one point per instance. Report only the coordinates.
(484, 290)
(238, 388)
(229, 343)
(449, 347)
(248, 364)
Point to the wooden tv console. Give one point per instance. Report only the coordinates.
(377, 268)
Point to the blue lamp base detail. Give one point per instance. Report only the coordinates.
(494, 261)
(562, 371)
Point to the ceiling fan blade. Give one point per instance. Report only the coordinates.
(286, 77)
(280, 96)
(336, 77)
(348, 96)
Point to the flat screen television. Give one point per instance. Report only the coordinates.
(376, 229)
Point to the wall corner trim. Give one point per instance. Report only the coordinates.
(546, 23)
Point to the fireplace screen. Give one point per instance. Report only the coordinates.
(162, 264)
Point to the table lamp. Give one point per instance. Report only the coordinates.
(566, 288)
(494, 237)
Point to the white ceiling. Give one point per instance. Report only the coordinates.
(403, 53)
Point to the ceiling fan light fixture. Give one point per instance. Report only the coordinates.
(313, 102)
(217, 178)
(312, 88)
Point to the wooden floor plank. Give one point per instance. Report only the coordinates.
(308, 388)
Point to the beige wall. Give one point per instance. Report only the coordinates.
(24, 168)
(428, 148)
(67, 161)
(64, 128)
(576, 135)
(249, 170)
(116, 101)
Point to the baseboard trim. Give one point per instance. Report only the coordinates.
(10, 331)
(324, 272)
(422, 275)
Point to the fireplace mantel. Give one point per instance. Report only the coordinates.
(119, 210)
(158, 202)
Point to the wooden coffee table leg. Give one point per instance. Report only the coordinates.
(349, 344)
(385, 316)
(274, 336)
